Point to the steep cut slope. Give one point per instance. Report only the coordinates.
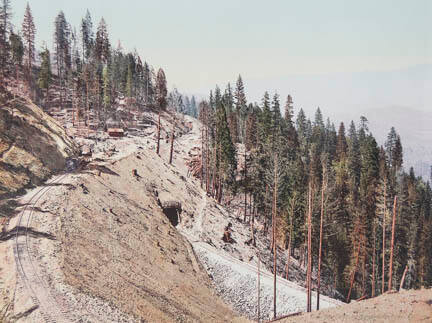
(32, 144)
(105, 251)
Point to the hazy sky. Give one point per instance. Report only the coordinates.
(201, 43)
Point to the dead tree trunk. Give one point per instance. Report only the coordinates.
(364, 270)
(384, 239)
(274, 234)
(403, 277)
(245, 187)
(320, 244)
(252, 230)
(353, 273)
(172, 144)
(158, 134)
(220, 190)
(309, 252)
(392, 244)
(290, 241)
(259, 263)
(207, 153)
(214, 171)
(373, 259)
(202, 157)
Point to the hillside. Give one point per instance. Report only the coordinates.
(406, 306)
(99, 248)
(32, 145)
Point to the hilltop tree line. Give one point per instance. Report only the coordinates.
(351, 180)
(84, 71)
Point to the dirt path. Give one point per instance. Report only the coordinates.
(36, 283)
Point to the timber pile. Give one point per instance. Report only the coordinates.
(194, 162)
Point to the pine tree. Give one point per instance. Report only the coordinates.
(129, 82)
(29, 31)
(265, 123)
(87, 36)
(5, 18)
(61, 44)
(341, 147)
(240, 104)
(44, 78)
(390, 144)
(227, 155)
(5, 26)
(289, 110)
(161, 90)
(251, 133)
(102, 44)
(17, 50)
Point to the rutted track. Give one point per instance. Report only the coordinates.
(50, 309)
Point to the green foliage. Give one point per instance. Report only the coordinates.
(17, 48)
(44, 79)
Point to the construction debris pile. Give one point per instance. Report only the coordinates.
(194, 162)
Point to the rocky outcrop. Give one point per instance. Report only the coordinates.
(32, 145)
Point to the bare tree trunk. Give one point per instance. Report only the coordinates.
(202, 157)
(207, 161)
(259, 274)
(274, 234)
(309, 251)
(220, 188)
(353, 273)
(403, 277)
(289, 242)
(252, 230)
(158, 133)
(214, 171)
(172, 144)
(364, 270)
(384, 239)
(245, 188)
(392, 244)
(373, 259)
(320, 244)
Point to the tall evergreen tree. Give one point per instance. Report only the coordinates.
(341, 147)
(87, 35)
(5, 27)
(102, 44)
(29, 31)
(161, 90)
(44, 78)
(17, 50)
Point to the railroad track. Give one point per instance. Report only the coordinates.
(51, 309)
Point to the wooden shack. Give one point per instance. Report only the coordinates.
(115, 132)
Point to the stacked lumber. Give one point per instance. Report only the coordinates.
(194, 165)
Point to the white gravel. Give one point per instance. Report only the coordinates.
(236, 282)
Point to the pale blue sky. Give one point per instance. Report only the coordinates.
(201, 43)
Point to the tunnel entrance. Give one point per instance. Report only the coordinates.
(172, 211)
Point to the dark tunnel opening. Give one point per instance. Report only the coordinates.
(173, 215)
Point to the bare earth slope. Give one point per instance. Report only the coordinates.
(32, 144)
(406, 306)
(115, 256)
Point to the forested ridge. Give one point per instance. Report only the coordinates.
(355, 186)
(293, 168)
(84, 72)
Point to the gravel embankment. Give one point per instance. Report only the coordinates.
(236, 282)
